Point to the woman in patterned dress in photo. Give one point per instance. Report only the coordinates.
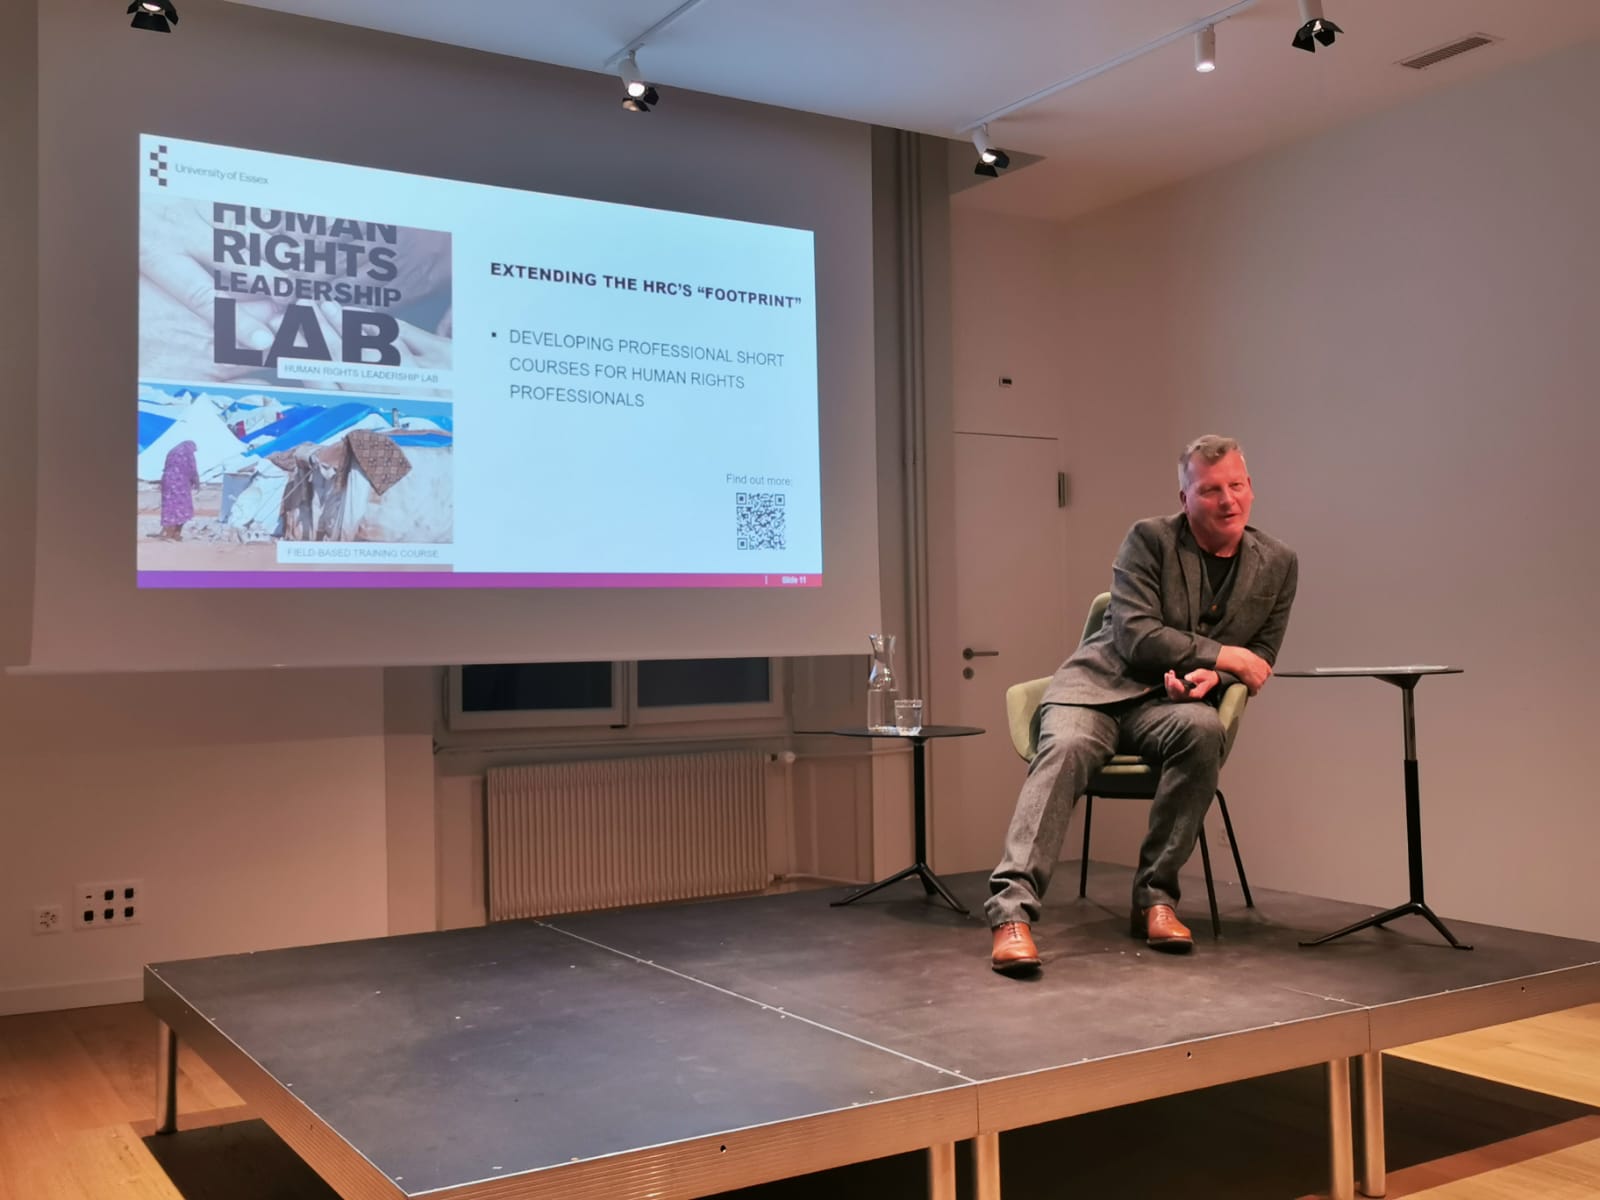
(179, 478)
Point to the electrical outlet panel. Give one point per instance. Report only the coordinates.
(107, 903)
(49, 918)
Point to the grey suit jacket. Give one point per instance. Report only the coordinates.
(1155, 608)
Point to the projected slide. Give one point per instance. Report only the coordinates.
(357, 378)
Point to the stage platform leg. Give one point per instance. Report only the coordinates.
(166, 1079)
(986, 1166)
(1341, 1157)
(942, 1171)
(1374, 1181)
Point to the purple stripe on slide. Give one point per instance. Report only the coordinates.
(456, 579)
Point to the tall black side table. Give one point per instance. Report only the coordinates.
(931, 884)
(1404, 678)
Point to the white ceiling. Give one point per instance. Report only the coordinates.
(937, 66)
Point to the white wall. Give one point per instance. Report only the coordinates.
(411, 851)
(1397, 318)
(250, 804)
(19, 324)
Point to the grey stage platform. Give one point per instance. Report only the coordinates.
(686, 1050)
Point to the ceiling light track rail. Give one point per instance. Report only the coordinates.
(633, 45)
(1112, 64)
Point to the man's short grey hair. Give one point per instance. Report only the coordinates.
(1210, 447)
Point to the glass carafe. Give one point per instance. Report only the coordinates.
(883, 689)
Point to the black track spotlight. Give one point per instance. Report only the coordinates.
(643, 102)
(1314, 27)
(641, 96)
(991, 159)
(159, 16)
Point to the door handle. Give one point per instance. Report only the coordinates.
(969, 653)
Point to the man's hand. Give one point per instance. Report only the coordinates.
(175, 343)
(1196, 685)
(175, 255)
(1253, 670)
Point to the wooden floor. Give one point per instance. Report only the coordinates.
(1557, 1055)
(77, 1096)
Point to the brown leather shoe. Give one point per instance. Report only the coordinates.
(1014, 951)
(1160, 928)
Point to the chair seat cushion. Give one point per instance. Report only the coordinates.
(1126, 760)
(1126, 776)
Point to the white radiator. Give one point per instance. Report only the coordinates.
(569, 837)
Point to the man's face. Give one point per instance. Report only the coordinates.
(1218, 501)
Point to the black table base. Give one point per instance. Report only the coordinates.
(932, 885)
(1411, 908)
(1404, 678)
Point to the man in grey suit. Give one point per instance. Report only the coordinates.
(1199, 600)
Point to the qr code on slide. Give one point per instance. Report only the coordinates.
(761, 520)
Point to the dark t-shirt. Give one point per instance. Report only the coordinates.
(1219, 580)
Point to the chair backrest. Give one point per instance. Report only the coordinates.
(1096, 617)
(1022, 715)
(1022, 699)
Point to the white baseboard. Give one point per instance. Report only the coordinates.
(70, 995)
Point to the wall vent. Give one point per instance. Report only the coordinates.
(1430, 58)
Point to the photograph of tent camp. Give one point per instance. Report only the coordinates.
(225, 474)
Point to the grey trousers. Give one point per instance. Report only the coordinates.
(1185, 737)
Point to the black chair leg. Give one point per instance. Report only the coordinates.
(1211, 891)
(1083, 860)
(1233, 844)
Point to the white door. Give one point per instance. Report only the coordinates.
(1011, 613)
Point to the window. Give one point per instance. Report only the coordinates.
(680, 681)
(539, 687)
(520, 695)
(657, 692)
(705, 689)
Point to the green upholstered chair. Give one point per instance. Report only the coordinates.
(1128, 776)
